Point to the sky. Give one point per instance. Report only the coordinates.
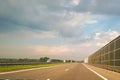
(61, 29)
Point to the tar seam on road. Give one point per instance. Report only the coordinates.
(67, 69)
(28, 69)
(48, 79)
(95, 72)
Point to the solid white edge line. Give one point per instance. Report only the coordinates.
(29, 69)
(95, 72)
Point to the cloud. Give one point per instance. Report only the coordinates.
(52, 17)
(92, 22)
(72, 23)
(101, 7)
(93, 43)
(51, 50)
(39, 35)
(61, 51)
(61, 23)
(11, 51)
(26, 34)
(71, 3)
(42, 16)
(33, 15)
(80, 49)
(104, 38)
(75, 2)
(76, 51)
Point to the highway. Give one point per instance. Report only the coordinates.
(72, 71)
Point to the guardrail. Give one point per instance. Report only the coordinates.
(108, 57)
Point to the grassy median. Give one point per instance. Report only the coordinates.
(20, 67)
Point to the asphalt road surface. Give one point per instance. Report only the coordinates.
(73, 71)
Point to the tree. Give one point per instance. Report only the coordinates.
(56, 60)
(44, 59)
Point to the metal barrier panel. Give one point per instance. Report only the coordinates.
(108, 57)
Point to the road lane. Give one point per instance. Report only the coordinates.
(73, 71)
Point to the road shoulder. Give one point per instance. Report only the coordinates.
(110, 75)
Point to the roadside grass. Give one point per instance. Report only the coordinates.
(20, 67)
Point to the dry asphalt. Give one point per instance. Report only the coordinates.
(72, 71)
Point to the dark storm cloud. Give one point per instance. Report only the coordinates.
(46, 15)
(35, 14)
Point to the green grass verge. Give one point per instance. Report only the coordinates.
(20, 67)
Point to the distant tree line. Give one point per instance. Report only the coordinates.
(27, 60)
(10, 60)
